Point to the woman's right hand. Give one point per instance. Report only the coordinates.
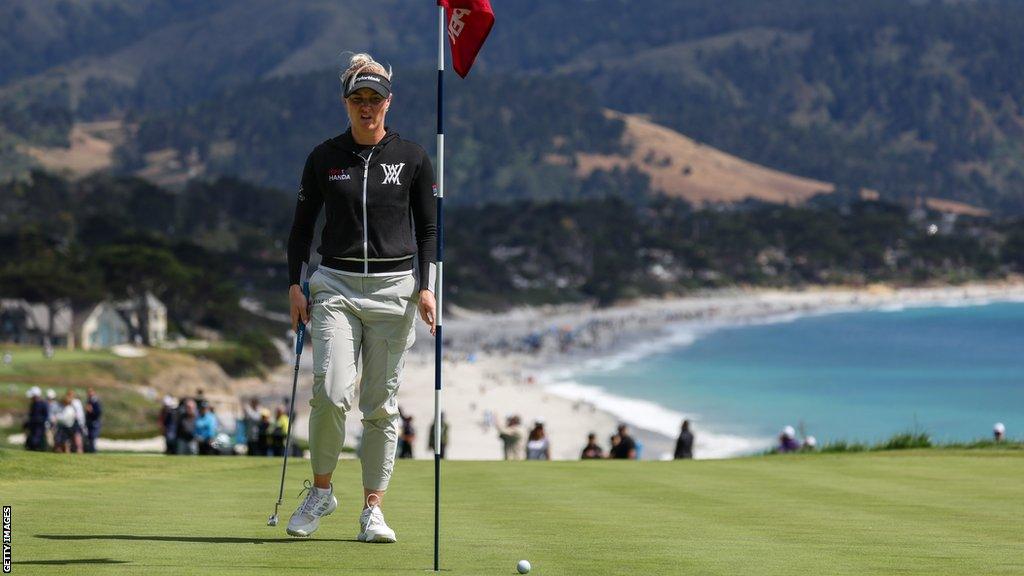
(299, 306)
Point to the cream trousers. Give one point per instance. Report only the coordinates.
(353, 318)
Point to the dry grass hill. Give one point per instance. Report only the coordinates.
(682, 167)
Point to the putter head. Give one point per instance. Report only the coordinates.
(273, 520)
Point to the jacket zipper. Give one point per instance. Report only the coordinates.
(366, 232)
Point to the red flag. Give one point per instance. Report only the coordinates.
(469, 23)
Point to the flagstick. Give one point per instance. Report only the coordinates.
(438, 342)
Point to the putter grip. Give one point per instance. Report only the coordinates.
(300, 334)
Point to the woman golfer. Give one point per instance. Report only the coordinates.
(378, 190)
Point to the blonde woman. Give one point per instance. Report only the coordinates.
(378, 194)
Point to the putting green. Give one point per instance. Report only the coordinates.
(911, 512)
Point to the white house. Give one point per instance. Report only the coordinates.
(102, 326)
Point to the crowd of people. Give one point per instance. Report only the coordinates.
(190, 426)
(64, 425)
(789, 443)
(266, 433)
(621, 445)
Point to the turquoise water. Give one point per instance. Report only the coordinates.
(952, 372)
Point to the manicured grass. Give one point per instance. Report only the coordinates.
(928, 512)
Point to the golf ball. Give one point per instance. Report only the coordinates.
(523, 566)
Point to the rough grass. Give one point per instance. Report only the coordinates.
(126, 412)
(933, 512)
(29, 365)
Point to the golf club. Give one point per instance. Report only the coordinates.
(300, 335)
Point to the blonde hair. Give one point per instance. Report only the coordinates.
(359, 63)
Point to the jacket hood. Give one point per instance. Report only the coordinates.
(345, 141)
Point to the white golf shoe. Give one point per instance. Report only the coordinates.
(306, 519)
(373, 528)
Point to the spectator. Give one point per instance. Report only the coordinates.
(810, 443)
(280, 432)
(263, 433)
(592, 450)
(537, 446)
(252, 425)
(407, 438)
(206, 429)
(35, 425)
(78, 430)
(787, 441)
(625, 449)
(63, 438)
(200, 398)
(999, 432)
(511, 436)
(613, 441)
(53, 408)
(93, 416)
(444, 436)
(684, 444)
(169, 424)
(186, 430)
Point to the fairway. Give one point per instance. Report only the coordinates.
(914, 512)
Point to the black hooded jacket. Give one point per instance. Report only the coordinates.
(375, 197)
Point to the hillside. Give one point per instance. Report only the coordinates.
(930, 512)
(201, 248)
(910, 98)
(680, 167)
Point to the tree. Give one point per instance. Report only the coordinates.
(133, 271)
(50, 280)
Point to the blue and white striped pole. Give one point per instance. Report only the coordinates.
(438, 286)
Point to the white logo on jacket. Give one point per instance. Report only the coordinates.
(391, 172)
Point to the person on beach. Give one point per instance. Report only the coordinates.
(999, 432)
(511, 436)
(538, 447)
(684, 444)
(593, 450)
(408, 438)
(787, 441)
(381, 219)
(444, 436)
(626, 447)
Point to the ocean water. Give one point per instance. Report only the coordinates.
(950, 371)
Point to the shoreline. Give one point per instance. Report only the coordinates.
(549, 345)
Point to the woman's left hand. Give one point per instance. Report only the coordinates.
(428, 309)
